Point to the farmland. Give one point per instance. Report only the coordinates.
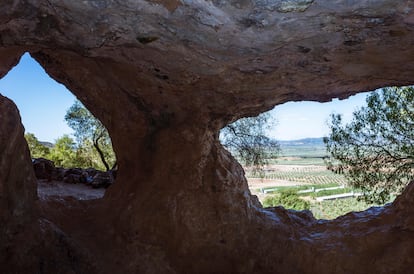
(300, 172)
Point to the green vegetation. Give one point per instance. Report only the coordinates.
(247, 141)
(306, 176)
(90, 133)
(311, 151)
(375, 151)
(298, 187)
(37, 150)
(93, 147)
(309, 171)
(374, 154)
(306, 151)
(335, 208)
(329, 192)
(288, 199)
(64, 153)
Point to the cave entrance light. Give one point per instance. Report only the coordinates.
(63, 165)
(295, 174)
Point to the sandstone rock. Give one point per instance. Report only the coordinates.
(28, 243)
(164, 77)
(91, 172)
(43, 168)
(59, 173)
(75, 176)
(73, 179)
(102, 179)
(17, 179)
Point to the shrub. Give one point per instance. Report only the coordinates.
(288, 199)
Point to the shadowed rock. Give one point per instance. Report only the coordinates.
(28, 242)
(17, 180)
(164, 77)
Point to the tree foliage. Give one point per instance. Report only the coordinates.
(37, 149)
(375, 150)
(93, 147)
(63, 153)
(90, 133)
(246, 139)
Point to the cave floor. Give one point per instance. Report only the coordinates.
(57, 189)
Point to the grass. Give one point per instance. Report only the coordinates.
(329, 209)
(303, 151)
(332, 192)
(289, 198)
(335, 208)
(301, 187)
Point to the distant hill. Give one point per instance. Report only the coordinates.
(303, 142)
(47, 144)
(304, 148)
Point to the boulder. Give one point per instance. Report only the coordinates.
(44, 169)
(17, 177)
(91, 172)
(102, 179)
(75, 176)
(59, 174)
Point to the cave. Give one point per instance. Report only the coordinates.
(163, 77)
(43, 104)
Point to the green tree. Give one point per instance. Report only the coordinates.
(63, 154)
(246, 139)
(37, 149)
(375, 151)
(90, 132)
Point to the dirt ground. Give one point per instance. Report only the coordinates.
(46, 189)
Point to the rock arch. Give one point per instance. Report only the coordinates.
(164, 77)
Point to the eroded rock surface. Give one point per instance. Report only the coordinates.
(164, 76)
(29, 243)
(17, 185)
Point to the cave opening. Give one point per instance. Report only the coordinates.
(297, 169)
(71, 150)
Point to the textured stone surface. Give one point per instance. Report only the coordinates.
(29, 243)
(164, 76)
(17, 183)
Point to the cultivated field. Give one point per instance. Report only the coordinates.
(301, 171)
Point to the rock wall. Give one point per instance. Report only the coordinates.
(164, 77)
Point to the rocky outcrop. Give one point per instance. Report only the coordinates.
(45, 169)
(29, 243)
(17, 181)
(164, 77)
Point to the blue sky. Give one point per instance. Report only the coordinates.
(43, 103)
(297, 120)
